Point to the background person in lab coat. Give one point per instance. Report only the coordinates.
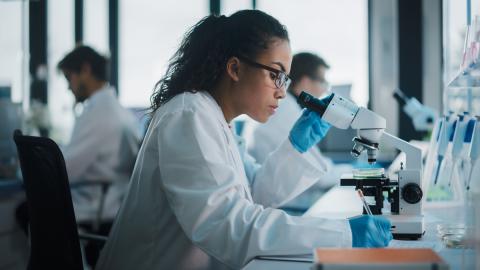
(196, 201)
(105, 137)
(308, 74)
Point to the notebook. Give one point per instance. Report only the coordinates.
(377, 258)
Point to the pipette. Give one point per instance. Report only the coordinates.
(458, 140)
(474, 150)
(445, 135)
(365, 205)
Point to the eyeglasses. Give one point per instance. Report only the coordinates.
(281, 78)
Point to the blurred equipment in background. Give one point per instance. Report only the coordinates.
(37, 119)
(463, 91)
(422, 116)
(10, 115)
(460, 168)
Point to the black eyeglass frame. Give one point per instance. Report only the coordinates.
(281, 80)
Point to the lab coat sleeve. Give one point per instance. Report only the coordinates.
(264, 140)
(88, 137)
(206, 194)
(334, 171)
(284, 175)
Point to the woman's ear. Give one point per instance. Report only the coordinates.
(233, 68)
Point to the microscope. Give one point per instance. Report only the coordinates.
(422, 116)
(403, 193)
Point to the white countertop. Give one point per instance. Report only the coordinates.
(343, 202)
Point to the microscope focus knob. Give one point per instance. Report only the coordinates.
(412, 193)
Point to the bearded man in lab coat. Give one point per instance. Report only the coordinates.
(105, 138)
(308, 74)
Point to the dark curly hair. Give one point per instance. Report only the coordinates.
(202, 56)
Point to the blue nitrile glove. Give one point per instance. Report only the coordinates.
(308, 130)
(370, 231)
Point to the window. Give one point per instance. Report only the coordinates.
(14, 48)
(60, 27)
(149, 34)
(228, 7)
(95, 24)
(335, 30)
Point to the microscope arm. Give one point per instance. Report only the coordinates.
(343, 113)
(413, 154)
(369, 125)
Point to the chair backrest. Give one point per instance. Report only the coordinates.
(53, 229)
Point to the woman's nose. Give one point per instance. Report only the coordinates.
(280, 93)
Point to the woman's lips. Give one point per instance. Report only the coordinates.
(273, 108)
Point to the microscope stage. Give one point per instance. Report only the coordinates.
(350, 180)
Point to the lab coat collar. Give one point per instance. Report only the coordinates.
(104, 92)
(218, 110)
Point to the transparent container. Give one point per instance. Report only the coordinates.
(463, 91)
(462, 99)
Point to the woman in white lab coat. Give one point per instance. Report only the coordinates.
(195, 201)
(308, 74)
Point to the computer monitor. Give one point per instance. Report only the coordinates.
(343, 90)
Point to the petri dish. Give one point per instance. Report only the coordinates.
(455, 235)
(368, 172)
(450, 229)
(454, 241)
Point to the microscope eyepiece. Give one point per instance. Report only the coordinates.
(315, 104)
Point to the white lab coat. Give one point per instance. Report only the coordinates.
(104, 144)
(263, 139)
(191, 195)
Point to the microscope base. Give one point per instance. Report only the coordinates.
(406, 227)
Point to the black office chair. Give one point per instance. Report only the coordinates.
(54, 239)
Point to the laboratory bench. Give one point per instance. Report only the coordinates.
(343, 202)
